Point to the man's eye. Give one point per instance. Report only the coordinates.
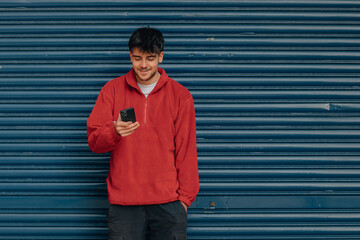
(151, 59)
(137, 59)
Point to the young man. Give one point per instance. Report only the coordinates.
(153, 175)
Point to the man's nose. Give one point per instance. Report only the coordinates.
(143, 63)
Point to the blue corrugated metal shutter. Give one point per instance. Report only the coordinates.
(276, 88)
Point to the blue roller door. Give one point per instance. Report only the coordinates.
(276, 89)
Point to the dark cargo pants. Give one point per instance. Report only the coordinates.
(162, 221)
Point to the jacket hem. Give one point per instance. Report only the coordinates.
(185, 200)
(143, 203)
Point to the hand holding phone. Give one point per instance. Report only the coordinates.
(127, 127)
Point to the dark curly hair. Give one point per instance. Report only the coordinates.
(147, 39)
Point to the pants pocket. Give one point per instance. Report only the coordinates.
(181, 206)
(180, 236)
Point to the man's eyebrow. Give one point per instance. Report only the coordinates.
(146, 56)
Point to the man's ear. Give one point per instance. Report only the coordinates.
(161, 57)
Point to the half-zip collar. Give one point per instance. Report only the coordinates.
(131, 80)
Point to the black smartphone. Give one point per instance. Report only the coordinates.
(128, 115)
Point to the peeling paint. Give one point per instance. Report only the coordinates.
(327, 106)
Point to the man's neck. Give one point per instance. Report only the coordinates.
(154, 79)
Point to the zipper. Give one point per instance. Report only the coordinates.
(145, 110)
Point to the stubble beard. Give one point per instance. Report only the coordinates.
(144, 80)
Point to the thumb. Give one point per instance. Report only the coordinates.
(119, 117)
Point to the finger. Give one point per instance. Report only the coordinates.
(126, 134)
(125, 131)
(119, 117)
(135, 124)
(133, 128)
(122, 124)
(130, 129)
(122, 130)
(128, 125)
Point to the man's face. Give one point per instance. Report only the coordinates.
(145, 65)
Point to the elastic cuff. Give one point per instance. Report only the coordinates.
(114, 134)
(185, 200)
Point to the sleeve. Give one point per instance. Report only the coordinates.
(185, 152)
(101, 133)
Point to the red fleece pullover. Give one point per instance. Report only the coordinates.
(158, 162)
